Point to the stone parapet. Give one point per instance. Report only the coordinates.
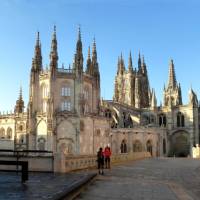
(70, 163)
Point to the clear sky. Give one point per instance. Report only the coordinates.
(160, 29)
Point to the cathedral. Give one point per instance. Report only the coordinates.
(65, 111)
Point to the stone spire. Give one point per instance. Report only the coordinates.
(139, 63)
(54, 54)
(19, 107)
(180, 94)
(78, 60)
(153, 99)
(37, 59)
(94, 52)
(89, 64)
(94, 58)
(193, 98)
(143, 66)
(121, 66)
(172, 77)
(130, 64)
(172, 93)
(95, 65)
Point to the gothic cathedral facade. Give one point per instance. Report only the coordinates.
(65, 112)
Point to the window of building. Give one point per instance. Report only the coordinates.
(9, 133)
(21, 139)
(20, 127)
(162, 120)
(66, 105)
(123, 147)
(149, 147)
(180, 120)
(66, 91)
(2, 133)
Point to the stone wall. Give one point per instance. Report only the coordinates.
(40, 163)
(66, 163)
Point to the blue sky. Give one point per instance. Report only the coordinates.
(159, 29)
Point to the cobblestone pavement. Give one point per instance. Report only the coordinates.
(41, 186)
(150, 179)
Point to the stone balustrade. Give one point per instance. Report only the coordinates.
(63, 163)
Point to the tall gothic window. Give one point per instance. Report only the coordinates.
(45, 94)
(9, 133)
(123, 147)
(66, 91)
(66, 106)
(2, 133)
(180, 120)
(149, 147)
(162, 120)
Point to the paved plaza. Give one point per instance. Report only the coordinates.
(150, 179)
(41, 186)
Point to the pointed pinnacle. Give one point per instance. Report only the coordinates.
(143, 59)
(54, 33)
(79, 32)
(20, 92)
(94, 45)
(38, 38)
(88, 52)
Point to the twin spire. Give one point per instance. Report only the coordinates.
(92, 67)
(92, 64)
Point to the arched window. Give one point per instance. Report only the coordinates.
(162, 120)
(21, 139)
(65, 91)
(2, 133)
(180, 120)
(137, 146)
(123, 147)
(66, 106)
(9, 133)
(108, 113)
(149, 147)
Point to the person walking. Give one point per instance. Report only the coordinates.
(107, 153)
(100, 160)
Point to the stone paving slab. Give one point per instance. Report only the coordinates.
(150, 179)
(40, 186)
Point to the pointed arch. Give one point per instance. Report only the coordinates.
(9, 133)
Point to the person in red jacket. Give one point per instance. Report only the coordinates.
(107, 154)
